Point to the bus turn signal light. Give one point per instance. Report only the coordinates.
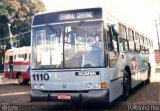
(103, 84)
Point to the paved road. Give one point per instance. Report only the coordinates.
(16, 97)
(6, 81)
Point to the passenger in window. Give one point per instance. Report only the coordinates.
(73, 39)
(97, 43)
(94, 56)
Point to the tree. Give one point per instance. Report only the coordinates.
(3, 19)
(19, 14)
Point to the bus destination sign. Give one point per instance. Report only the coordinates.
(70, 15)
(73, 16)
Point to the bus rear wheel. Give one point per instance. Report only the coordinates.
(21, 80)
(148, 76)
(126, 85)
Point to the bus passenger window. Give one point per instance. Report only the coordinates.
(113, 54)
(115, 48)
(112, 58)
(14, 57)
(123, 44)
(25, 56)
(131, 46)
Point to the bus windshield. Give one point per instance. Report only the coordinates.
(73, 45)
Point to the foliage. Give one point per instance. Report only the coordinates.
(18, 13)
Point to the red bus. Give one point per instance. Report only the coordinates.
(16, 64)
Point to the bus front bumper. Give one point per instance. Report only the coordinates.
(89, 96)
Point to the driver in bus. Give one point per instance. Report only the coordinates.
(93, 57)
(97, 43)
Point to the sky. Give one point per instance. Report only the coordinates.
(141, 14)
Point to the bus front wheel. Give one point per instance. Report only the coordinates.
(126, 85)
(21, 80)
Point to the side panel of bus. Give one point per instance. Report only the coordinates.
(138, 64)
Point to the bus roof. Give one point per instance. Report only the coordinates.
(19, 49)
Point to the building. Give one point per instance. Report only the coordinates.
(157, 56)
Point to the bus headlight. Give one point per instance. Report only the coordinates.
(97, 85)
(42, 86)
(35, 86)
(89, 85)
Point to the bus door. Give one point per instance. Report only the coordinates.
(11, 67)
(113, 47)
(114, 69)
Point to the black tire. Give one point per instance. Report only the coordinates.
(126, 85)
(22, 81)
(32, 99)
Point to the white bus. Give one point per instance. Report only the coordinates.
(86, 55)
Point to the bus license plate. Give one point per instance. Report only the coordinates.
(64, 97)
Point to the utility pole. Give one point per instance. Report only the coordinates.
(10, 35)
